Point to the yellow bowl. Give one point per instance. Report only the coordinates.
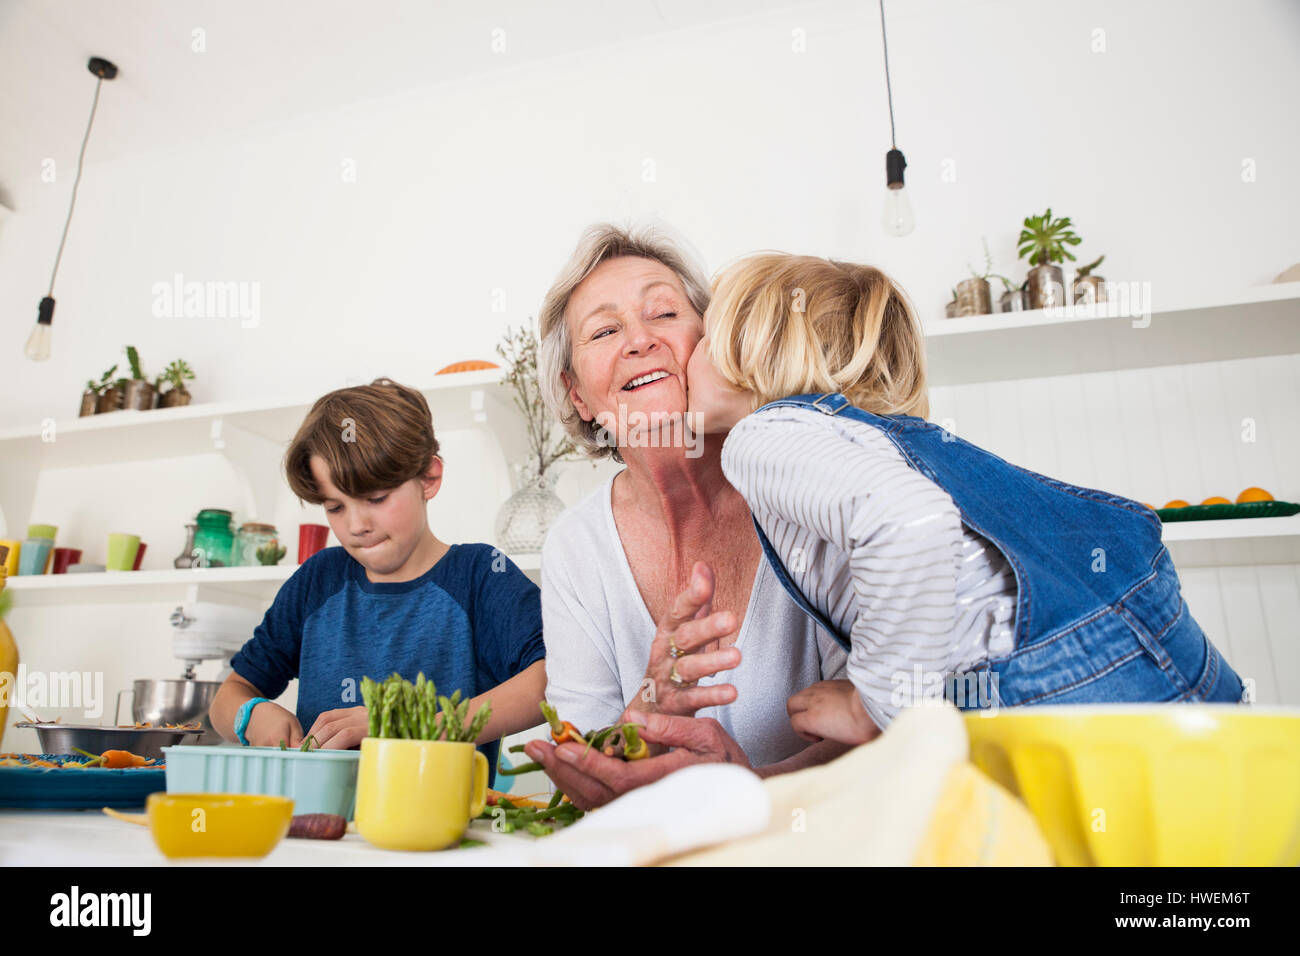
(218, 824)
(1153, 784)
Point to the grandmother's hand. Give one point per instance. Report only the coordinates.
(591, 779)
(691, 628)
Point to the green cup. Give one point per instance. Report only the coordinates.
(121, 551)
(42, 531)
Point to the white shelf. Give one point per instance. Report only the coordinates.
(251, 586)
(1234, 542)
(457, 401)
(1107, 337)
(251, 434)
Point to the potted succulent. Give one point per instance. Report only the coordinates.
(176, 374)
(1043, 241)
(90, 397)
(950, 310)
(139, 391)
(1014, 298)
(110, 392)
(1089, 288)
(973, 294)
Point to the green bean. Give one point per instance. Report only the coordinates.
(522, 768)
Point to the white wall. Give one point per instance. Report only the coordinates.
(483, 185)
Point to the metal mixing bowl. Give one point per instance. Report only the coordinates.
(143, 741)
(182, 701)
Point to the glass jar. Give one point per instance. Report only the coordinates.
(253, 535)
(214, 542)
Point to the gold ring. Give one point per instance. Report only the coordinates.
(677, 680)
(673, 651)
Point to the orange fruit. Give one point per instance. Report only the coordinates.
(1216, 500)
(1178, 503)
(1253, 494)
(473, 365)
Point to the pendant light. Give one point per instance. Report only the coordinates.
(38, 343)
(898, 218)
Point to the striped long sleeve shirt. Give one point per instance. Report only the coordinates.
(879, 549)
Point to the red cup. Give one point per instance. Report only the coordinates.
(139, 556)
(311, 538)
(63, 557)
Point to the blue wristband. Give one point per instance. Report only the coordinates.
(244, 716)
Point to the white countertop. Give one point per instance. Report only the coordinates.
(91, 838)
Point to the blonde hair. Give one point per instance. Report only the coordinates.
(599, 243)
(783, 325)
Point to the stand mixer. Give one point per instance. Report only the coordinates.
(201, 631)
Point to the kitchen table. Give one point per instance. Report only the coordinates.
(92, 838)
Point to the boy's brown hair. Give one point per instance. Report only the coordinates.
(372, 437)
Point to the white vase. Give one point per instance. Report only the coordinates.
(528, 514)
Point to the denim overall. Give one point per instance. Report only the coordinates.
(1099, 612)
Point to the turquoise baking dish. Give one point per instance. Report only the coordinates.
(321, 781)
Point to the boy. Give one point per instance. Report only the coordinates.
(392, 598)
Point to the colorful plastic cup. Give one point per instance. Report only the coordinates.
(42, 531)
(35, 555)
(311, 538)
(11, 559)
(122, 549)
(63, 557)
(139, 556)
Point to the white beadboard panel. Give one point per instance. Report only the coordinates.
(1252, 655)
(1279, 592)
(1205, 601)
(1149, 434)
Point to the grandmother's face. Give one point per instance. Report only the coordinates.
(633, 330)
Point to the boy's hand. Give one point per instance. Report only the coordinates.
(341, 729)
(831, 710)
(270, 723)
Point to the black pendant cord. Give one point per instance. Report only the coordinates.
(77, 182)
(893, 144)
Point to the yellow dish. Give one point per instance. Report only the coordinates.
(218, 824)
(1151, 784)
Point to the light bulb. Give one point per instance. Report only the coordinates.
(898, 218)
(38, 343)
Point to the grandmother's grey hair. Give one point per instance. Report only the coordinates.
(600, 243)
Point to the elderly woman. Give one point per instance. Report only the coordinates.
(654, 588)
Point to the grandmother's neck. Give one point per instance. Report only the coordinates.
(687, 493)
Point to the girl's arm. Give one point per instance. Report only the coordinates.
(813, 481)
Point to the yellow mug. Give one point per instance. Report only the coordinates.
(418, 794)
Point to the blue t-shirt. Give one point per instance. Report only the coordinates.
(470, 622)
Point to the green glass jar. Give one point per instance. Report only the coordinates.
(214, 542)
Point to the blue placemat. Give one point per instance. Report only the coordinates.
(46, 788)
